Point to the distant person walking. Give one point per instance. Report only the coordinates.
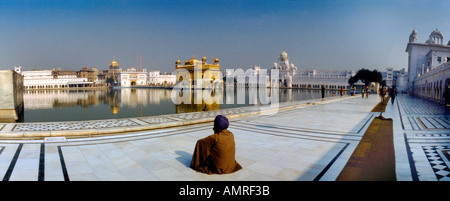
(382, 94)
(367, 92)
(392, 94)
(323, 91)
(362, 92)
(342, 91)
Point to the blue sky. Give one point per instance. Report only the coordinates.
(321, 34)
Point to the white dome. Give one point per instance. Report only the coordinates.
(293, 67)
(436, 33)
(436, 37)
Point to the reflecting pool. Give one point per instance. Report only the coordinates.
(92, 104)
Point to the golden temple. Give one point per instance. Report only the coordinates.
(201, 71)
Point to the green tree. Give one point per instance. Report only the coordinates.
(110, 80)
(366, 76)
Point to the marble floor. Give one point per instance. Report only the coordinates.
(308, 143)
(425, 133)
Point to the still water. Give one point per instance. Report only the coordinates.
(93, 104)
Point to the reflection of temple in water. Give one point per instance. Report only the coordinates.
(186, 108)
(112, 98)
(208, 103)
(47, 99)
(73, 105)
(85, 98)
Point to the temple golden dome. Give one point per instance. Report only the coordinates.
(177, 62)
(216, 60)
(204, 59)
(190, 61)
(114, 63)
(193, 59)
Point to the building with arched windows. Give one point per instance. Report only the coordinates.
(155, 78)
(132, 77)
(428, 66)
(331, 79)
(48, 79)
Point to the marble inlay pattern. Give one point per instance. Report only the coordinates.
(155, 120)
(438, 161)
(50, 126)
(426, 135)
(433, 134)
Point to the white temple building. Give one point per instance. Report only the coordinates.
(155, 78)
(252, 77)
(291, 76)
(132, 77)
(44, 79)
(428, 66)
(331, 79)
(287, 70)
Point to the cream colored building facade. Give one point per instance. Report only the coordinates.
(155, 78)
(132, 77)
(44, 79)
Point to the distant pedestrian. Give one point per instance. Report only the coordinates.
(392, 94)
(382, 94)
(367, 92)
(362, 93)
(323, 91)
(342, 91)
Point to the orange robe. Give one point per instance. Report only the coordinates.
(215, 154)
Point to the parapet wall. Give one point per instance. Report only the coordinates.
(11, 96)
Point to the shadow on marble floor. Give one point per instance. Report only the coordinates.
(184, 158)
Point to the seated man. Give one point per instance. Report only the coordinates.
(215, 153)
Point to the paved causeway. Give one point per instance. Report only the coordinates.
(300, 142)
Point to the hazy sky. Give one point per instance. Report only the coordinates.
(333, 34)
